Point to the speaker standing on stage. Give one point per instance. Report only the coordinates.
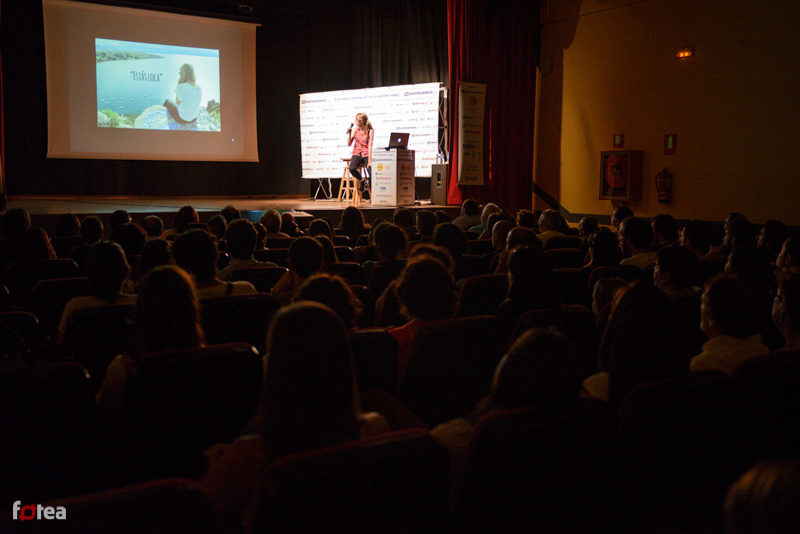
(361, 138)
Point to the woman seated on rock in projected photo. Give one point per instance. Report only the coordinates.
(187, 97)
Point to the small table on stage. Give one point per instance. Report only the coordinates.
(392, 177)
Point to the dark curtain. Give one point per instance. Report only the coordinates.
(396, 43)
(496, 43)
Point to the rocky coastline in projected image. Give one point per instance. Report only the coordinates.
(157, 87)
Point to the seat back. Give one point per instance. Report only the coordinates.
(22, 276)
(383, 272)
(482, 295)
(179, 403)
(450, 366)
(95, 336)
(49, 444)
(275, 255)
(681, 444)
(567, 241)
(571, 284)
(238, 318)
(470, 265)
(165, 505)
(263, 278)
(398, 480)
(51, 296)
(480, 247)
(349, 270)
(25, 324)
(344, 253)
(770, 386)
(532, 472)
(576, 322)
(375, 359)
(631, 273)
(278, 242)
(564, 258)
(63, 245)
(367, 317)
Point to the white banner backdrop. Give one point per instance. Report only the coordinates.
(325, 117)
(471, 98)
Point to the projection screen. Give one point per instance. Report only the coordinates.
(128, 83)
(325, 117)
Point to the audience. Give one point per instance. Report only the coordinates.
(241, 237)
(230, 213)
(619, 214)
(469, 215)
(644, 331)
(271, 220)
(154, 226)
(91, 229)
(426, 223)
(334, 292)
(540, 372)
(305, 259)
(196, 252)
(549, 222)
(67, 225)
(167, 318)
(695, 236)
(640, 343)
(487, 211)
(665, 231)
(309, 400)
(786, 307)
(217, 225)
(730, 320)
(765, 500)
(603, 250)
(352, 223)
(635, 236)
(426, 293)
(106, 268)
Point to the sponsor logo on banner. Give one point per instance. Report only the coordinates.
(30, 512)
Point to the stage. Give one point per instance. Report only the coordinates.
(44, 210)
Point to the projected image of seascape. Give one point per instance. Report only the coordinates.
(157, 87)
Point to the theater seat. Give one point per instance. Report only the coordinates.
(165, 505)
(51, 296)
(94, 336)
(532, 472)
(179, 403)
(681, 444)
(238, 318)
(49, 439)
(397, 482)
(263, 278)
(349, 270)
(450, 367)
(22, 276)
(375, 359)
(482, 295)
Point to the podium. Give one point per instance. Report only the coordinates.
(392, 177)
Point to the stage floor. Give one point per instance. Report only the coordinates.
(44, 210)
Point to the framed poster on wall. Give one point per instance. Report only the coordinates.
(621, 175)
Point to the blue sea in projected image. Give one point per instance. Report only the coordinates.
(134, 77)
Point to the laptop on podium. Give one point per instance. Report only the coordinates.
(398, 140)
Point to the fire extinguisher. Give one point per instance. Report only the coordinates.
(664, 185)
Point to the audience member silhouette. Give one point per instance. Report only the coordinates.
(635, 237)
(196, 252)
(106, 268)
(241, 237)
(309, 401)
(334, 292)
(765, 500)
(305, 259)
(167, 318)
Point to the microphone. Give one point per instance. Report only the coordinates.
(351, 128)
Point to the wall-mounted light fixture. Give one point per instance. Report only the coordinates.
(684, 53)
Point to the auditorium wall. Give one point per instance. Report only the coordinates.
(609, 67)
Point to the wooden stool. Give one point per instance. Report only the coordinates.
(350, 190)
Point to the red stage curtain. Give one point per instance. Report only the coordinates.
(496, 43)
